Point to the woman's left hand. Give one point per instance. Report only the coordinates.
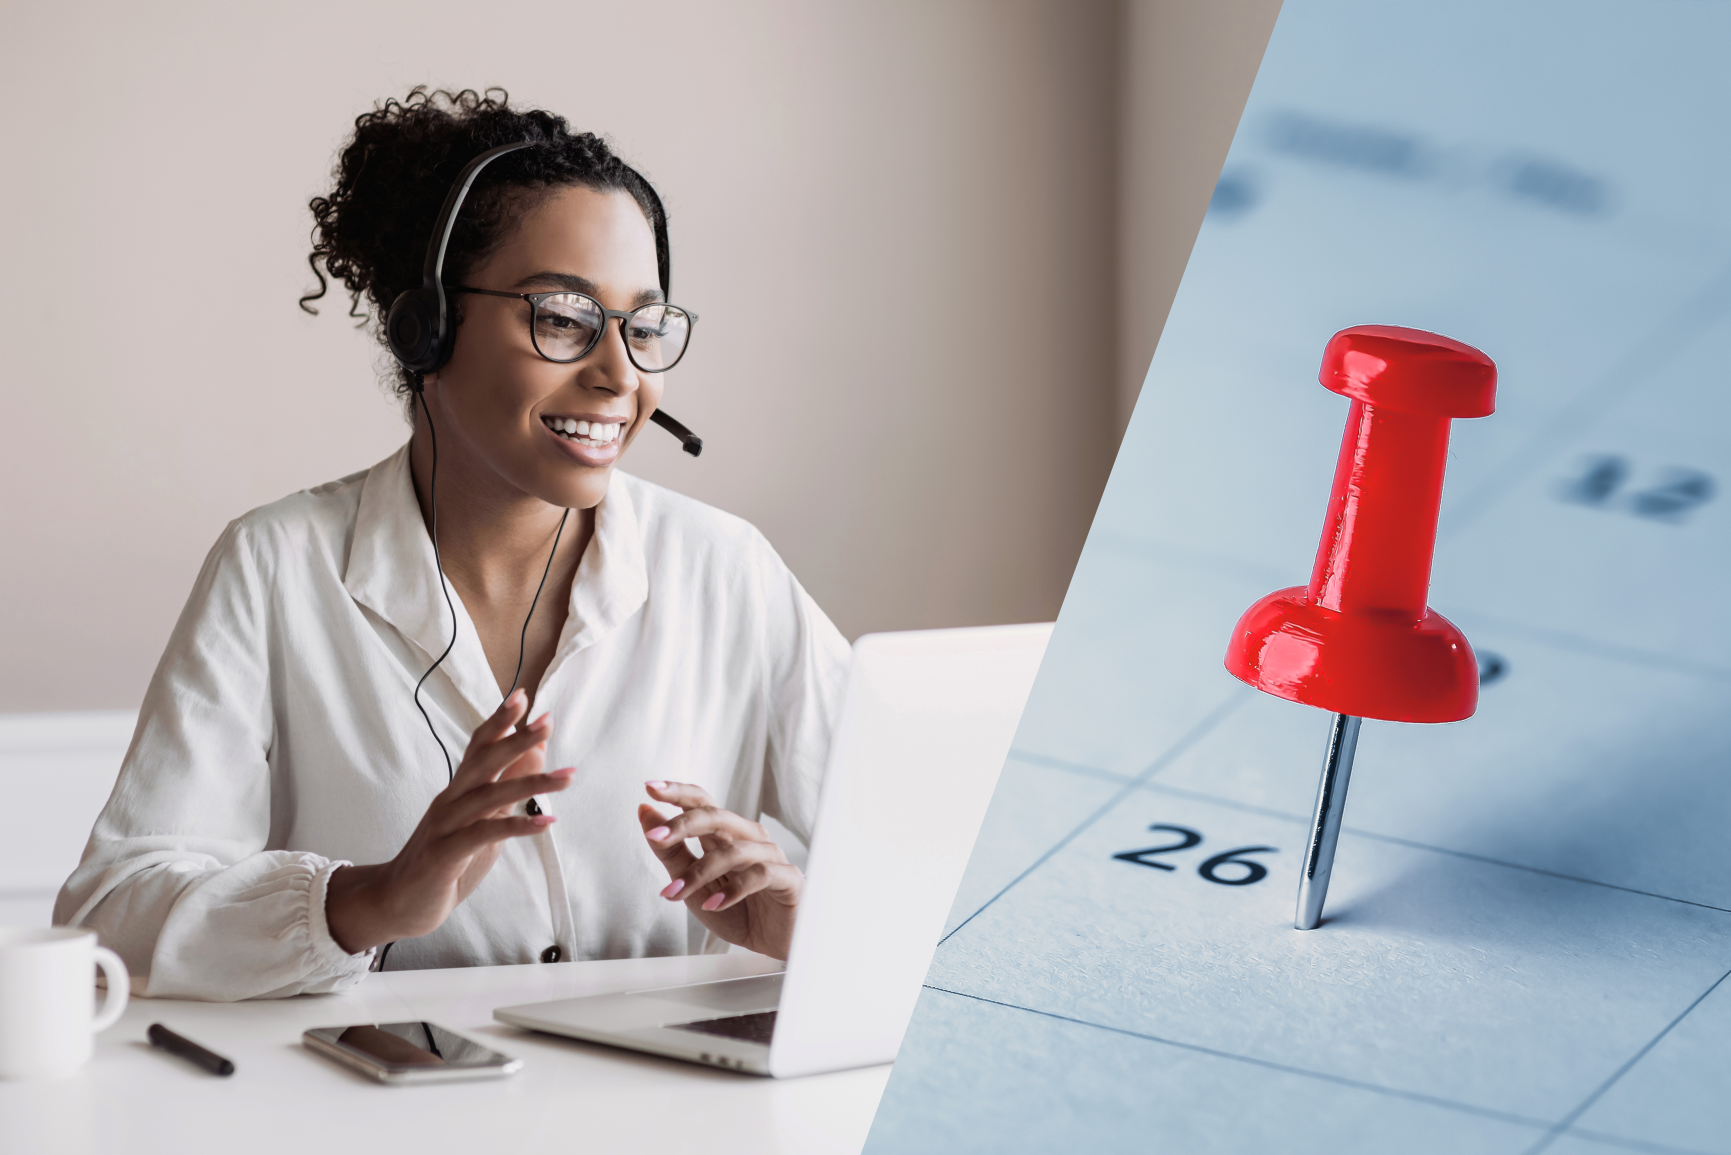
(743, 888)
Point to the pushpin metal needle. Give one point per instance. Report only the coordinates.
(1325, 823)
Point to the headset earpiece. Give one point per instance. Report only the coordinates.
(414, 328)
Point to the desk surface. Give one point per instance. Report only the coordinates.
(132, 1098)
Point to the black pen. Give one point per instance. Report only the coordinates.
(161, 1036)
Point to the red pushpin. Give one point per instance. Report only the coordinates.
(1359, 640)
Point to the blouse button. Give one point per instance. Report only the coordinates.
(552, 954)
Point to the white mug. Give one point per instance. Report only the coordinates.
(48, 998)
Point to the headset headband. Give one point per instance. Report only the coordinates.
(434, 266)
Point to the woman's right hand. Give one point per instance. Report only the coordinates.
(458, 839)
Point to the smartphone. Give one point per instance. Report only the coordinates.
(410, 1052)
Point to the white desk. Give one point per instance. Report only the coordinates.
(570, 1096)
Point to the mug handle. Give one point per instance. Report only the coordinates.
(119, 989)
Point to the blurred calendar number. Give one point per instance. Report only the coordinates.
(1678, 491)
(1492, 667)
(1674, 491)
(1600, 477)
(1187, 838)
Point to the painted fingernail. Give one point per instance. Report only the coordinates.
(656, 785)
(714, 900)
(673, 888)
(659, 833)
(542, 820)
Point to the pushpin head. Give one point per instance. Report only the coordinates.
(1361, 665)
(1410, 371)
(1360, 639)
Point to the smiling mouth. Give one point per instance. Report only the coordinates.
(594, 434)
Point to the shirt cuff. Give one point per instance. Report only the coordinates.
(329, 955)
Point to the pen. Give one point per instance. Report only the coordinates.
(161, 1036)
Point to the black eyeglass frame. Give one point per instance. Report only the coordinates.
(622, 315)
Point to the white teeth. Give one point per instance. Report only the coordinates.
(589, 432)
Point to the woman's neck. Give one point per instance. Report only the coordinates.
(494, 545)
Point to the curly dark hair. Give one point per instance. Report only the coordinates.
(391, 179)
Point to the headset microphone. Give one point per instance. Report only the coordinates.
(692, 442)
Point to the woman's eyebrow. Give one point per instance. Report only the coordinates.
(571, 282)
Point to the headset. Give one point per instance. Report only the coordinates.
(419, 333)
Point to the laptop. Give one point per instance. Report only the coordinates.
(925, 728)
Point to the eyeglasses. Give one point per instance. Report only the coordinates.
(566, 326)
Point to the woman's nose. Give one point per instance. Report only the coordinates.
(611, 365)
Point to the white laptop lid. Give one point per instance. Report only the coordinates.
(927, 725)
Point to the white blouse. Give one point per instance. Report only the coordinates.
(279, 739)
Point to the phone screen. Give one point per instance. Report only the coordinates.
(410, 1046)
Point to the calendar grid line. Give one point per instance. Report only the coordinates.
(1608, 650)
(1568, 1120)
(1234, 701)
(1552, 1132)
(1051, 763)
(1221, 565)
(1266, 1064)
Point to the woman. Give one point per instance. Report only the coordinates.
(284, 820)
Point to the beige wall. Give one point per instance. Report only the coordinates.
(1189, 67)
(942, 178)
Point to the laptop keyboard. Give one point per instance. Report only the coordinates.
(753, 1028)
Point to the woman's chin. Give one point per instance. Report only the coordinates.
(569, 488)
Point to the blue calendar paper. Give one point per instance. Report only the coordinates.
(1528, 935)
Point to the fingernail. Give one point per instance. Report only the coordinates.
(540, 723)
(543, 820)
(714, 900)
(673, 888)
(659, 833)
(656, 785)
(562, 772)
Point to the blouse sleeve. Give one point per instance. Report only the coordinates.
(805, 672)
(176, 877)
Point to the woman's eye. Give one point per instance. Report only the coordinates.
(565, 327)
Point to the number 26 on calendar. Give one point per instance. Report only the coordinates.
(1229, 868)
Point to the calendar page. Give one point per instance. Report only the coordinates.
(1528, 933)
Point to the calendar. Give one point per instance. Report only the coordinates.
(1528, 933)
